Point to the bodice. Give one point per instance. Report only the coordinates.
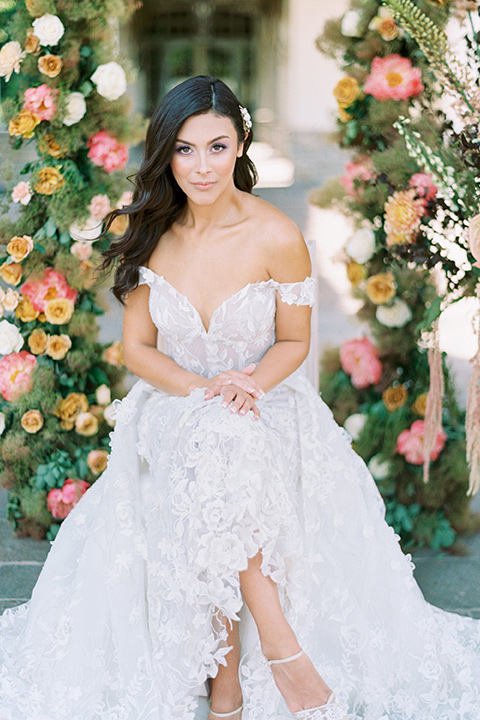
(241, 329)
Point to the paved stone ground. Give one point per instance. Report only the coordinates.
(450, 582)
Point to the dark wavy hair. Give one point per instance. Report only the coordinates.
(157, 199)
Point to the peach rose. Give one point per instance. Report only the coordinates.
(61, 502)
(99, 206)
(82, 250)
(403, 212)
(87, 268)
(16, 374)
(37, 341)
(20, 247)
(393, 78)
(119, 225)
(381, 288)
(36, 7)
(114, 354)
(394, 397)
(50, 65)
(51, 286)
(32, 43)
(40, 100)
(11, 273)
(70, 408)
(410, 443)
(23, 124)
(32, 421)
(359, 359)
(50, 181)
(97, 461)
(59, 311)
(58, 346)
(346, 91)
(48, 145)
(22, 193)
(11, 299)
(25, 311)
(86, 424)
(384, 23)
(103, 395)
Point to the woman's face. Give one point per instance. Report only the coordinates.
(204, 157)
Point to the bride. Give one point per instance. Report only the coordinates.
(235, 547)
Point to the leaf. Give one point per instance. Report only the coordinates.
(40, 248)
(50, 227)
(86, 51)
(64, 238)
(86, 88)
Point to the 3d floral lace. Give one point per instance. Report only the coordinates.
(128, 618)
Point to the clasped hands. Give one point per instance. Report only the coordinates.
(239, 391)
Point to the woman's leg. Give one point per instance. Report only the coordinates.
(226, 692)
(298, 681)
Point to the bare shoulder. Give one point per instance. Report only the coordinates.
(283, 246)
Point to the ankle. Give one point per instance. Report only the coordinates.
(279, 650)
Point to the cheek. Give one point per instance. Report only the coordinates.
(180, 166)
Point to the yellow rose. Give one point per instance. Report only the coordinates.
(70, 408)
(346, 91)
(355, 272)
(381, 288)
(50, 65)
(25, 310)
(387, 28)
(86, 424)
(119, 225)
(48, 145)
(20, 247)
(87, 268)
(32, 421)
(59, 311)
(37, 342)
(420, 405)
(23, 124)
(114, 354)
(343, 116)
(97, 461)
(50, 181)
(58, 346)
(32, 43)
(11, 273)
(394, 397)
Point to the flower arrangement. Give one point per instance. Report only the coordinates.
(63, 92)
(395, 201)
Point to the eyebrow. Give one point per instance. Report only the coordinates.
(186, 142)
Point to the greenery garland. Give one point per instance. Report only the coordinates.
(63, 91)
(378, 389)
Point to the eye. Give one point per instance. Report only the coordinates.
(218, 147)
(183, 150)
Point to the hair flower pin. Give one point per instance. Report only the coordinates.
(247, 120)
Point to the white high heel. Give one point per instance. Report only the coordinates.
(332, 710)
(225, 715)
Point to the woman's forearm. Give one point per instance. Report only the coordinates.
(161, 371)
(280, 361)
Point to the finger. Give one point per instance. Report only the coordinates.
(246, 406)
(238, 401)
(249, 369)
(249, 385)
(256, 413)
(229, 393)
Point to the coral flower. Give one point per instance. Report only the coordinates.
(410, 443)
(61, 502)
(424, 187)
(105, 151)
(358, 171)
(52, 286)
(359, 359)
(40, 100)
(16, 374)
(393, 78)
(403, 212)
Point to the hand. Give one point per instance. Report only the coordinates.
(239, 400)
(239, 378)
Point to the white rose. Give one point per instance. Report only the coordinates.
(351, 24)
(110, 80)
(90, 230)
(2, 422)
(361, 245)
(11, 55)
(397, 314)
(354, 424)
(49, 29)
(10, 300)
(103, 395)
(380, 469)
(109, 415)
(11, 339)
(76, 108)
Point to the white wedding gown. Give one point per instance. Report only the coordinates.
(126, 621)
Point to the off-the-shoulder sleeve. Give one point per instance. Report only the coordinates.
(298, 293)
(145, 276)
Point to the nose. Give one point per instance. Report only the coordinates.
(203, 165)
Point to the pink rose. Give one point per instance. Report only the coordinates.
(16, 374)
(61, 502)
(393, 78)
(81, 250)
(22, 193)
(360, 169)
(424, 187)
(40, 100)
(99, 207)
(52, 286)
(359, 359)
(105, 151)
(126, 198)
(410, 443)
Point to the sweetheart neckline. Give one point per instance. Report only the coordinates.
(230, 297)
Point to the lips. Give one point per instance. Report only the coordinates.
(204, 186)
